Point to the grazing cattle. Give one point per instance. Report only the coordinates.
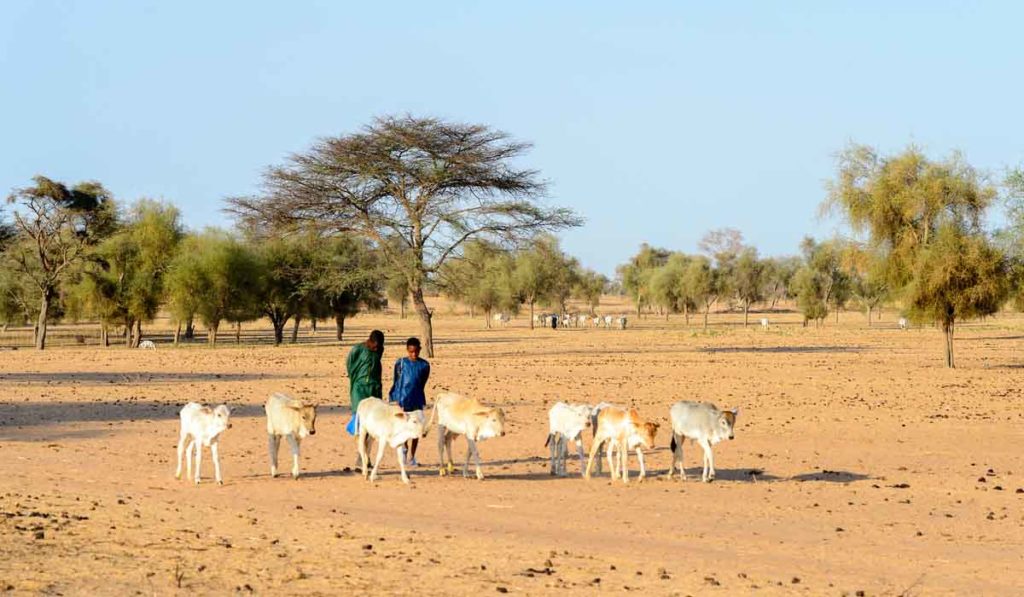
(597, 321)
(566, 423)
(291, 419)
(903, 323)
(147, 345)
(607, 321)
(390, 426)
(502, 319)
(703, 423)
(620, 427)
(201, 426)
(764, 323)
(621, 322)
(459, 415)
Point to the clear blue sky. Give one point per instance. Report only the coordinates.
(657, 121)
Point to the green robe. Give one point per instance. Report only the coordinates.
(364, 374)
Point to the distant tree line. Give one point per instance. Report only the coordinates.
(918, 241)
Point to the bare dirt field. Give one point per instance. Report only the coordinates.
(860, 464)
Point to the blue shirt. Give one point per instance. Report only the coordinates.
(409, 381)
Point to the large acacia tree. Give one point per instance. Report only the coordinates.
(55, 225)
(925, 218)
(429, 183)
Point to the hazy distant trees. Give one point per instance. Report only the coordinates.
(636, 274)
(431, 184)
(123, 277)
(925, 217)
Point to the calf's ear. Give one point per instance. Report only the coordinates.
(736, 411)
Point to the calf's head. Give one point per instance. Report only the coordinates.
(406, 426)
(308, 413)
(221, 418)
(490, 423)
(727, 422)
(647, 432)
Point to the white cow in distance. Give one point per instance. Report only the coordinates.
(764, 323)
(903, 323)
(147, 345)
(201, 426)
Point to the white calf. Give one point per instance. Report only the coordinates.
(390, 426)
(201, 426)
(764, 323)
(566, 423)
(703, 423)
(147, 345)
(291, 419)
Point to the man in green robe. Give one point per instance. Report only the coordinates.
(364, 369)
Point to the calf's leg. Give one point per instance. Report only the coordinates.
(293, 443)
(401, 463)
(199, 456)
(215, 454)
(273, 443)
(380, 454)
(181, 455)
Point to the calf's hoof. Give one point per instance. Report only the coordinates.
(220, 482)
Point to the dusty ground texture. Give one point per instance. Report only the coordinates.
(860, 464)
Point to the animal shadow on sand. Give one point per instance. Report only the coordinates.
(32, 414)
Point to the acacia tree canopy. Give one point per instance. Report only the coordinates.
(431, 184)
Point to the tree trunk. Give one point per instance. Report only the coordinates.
(278, 324)
(487, 319)
(177, 334)
(190, 329)
(129, 331)
(947, 328)
(706, 317)
(211, 334)
(746, 310)
(44, 311)
(238, 332)
(686, 314)
(138, 333)
(339, 324)
(869, 315)
(312, 326)
(426, 323)
(295, 329)
(104, 334)
(402, 306)
(531, 314)
(837, 314)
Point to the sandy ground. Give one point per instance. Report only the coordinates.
(859, 465)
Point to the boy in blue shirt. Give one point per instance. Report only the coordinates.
(411, 374)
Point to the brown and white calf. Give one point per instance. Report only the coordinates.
(201, 426)
(623, 430)
(390, 426)
(291, 419)
(460, 415)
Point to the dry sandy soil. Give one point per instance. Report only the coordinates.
(859, 465)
